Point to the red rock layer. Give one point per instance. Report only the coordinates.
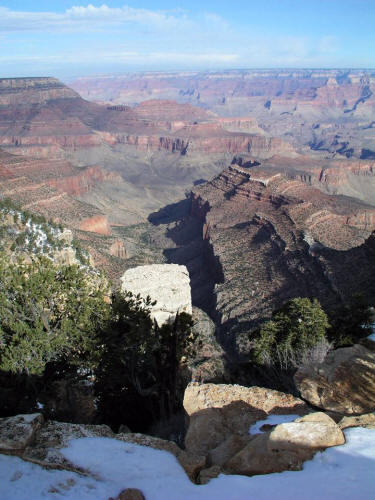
(97, 224)
(42, 117)
(46, 186)
(216, 140)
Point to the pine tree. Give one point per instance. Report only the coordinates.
(48, 313)
(294, 330)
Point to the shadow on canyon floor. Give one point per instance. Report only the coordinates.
(191, 250)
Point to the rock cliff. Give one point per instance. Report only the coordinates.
(27, 91)
(266, 238)
(329, 110)
(167, 284)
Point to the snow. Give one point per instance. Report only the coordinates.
(342, 473)
(29, 417)
(372, 336)
(271, 420)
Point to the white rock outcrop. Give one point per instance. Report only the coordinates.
(167, 284)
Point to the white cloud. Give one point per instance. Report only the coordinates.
(121, 57)
(136, 36)
(90, 18)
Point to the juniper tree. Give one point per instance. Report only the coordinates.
(47, 313)
(294, 330)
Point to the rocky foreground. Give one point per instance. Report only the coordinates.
(232, 430)
(91, 462)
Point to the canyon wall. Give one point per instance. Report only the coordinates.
(274, 239)
(42, 117)
(27, 91)
(325, 110)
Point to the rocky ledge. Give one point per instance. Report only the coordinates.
(225, 434)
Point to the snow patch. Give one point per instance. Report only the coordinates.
(339, 473)
(271, 420)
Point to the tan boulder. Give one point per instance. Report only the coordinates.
(366, 420)
(207, 429)
(168, 286)
(202, 396)
(16, 433)
(287, 446)
(220, 411)
(227, 449)
(206, 475)
(313, 432)
(191, 462)
(318, 416)
(256, 458)
(129, 494)
(344, 382)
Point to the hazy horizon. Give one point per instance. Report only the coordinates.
(69, 38)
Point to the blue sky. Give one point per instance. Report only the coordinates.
(70, 38)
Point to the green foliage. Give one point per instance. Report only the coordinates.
(24, 232)
(7, 205)
(48, 313)
(294, 330)
(351, 322)
(137, 375)
(81, 254)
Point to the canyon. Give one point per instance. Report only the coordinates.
(278, 198)
(329, 109)
(222, 195)
(93, 167)
(253, 238)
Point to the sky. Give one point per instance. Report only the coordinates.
(77, 38)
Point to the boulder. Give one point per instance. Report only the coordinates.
(287, 446)
(206, 475)
(17, 432)
(129, 494)
(203, 396)
(366, 420)
(207, 429)
(167, 284)
(218, 412)
(312, 432)
(344, 382)
(227, 449)
(256, 458)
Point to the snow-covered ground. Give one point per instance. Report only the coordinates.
(344, 473)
